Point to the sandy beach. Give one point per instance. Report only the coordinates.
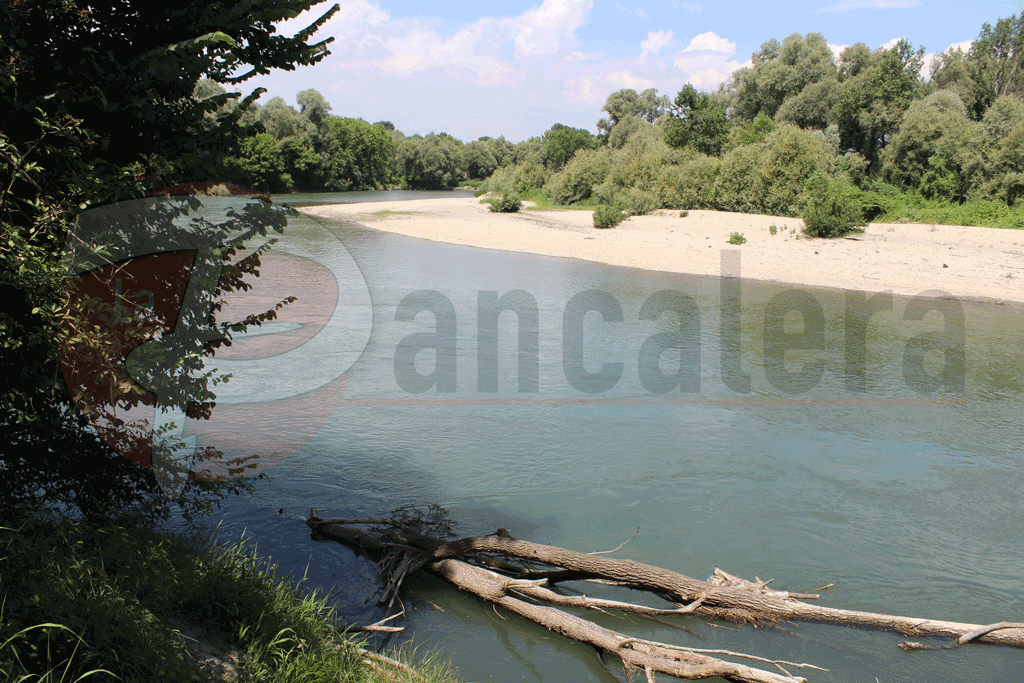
(966, 263)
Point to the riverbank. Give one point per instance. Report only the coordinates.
(140, 604)
(968, 263)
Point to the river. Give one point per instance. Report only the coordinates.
(802, 440)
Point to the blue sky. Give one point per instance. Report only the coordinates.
(519, 67)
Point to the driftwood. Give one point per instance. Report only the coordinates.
(487, 567)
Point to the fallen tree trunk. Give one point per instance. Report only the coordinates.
(722, 597)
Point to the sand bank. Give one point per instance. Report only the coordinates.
(966, 263)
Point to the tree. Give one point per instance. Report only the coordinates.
(314, 107)
(998, 57)
(562, 142)
(431, 162)
(99, 105)
(812, 107)
(874, 96)
(358, 154)
(936, 132)
(780, 71)
(478, 160)
(953, 71)
(695, 121)
(647, 106)
(260, 164)
(280, 120)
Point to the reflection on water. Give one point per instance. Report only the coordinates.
(909, 502)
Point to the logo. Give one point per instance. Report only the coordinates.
(157, 357)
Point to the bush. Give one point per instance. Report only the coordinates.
(576, 182)
(639, 203)
(737, 238)
(684, 214)
(830, 209)
(608, 216)
(508, 203)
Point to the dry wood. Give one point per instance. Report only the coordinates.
(724, 596)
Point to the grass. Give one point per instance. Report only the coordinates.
(387, 212)
(887, 204)
(110, 603)
(737, 238)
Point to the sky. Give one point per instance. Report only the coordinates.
(515, 68)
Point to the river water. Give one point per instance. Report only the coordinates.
(812, 436)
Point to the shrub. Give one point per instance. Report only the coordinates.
(830, 210)
(576, 182)
(684, 214)
(638, 202)
(737, 238)
(608, 216)
(508, 203)
(772, 229)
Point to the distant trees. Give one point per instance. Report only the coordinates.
(431, 162)
(562, 142)
(781, 71)
(647, 106)
(696, 121)
(875, 93)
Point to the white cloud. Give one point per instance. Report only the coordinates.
(931, 57)
(480, 79)
(847, 5)
(837, 51)
(711, 42)
(891, 44)
(640, 12)
(656, 42)
(689, 7)
(547, 30)
(622, 9)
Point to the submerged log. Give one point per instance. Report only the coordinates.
(724, 596)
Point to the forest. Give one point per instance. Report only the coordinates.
(801, 132)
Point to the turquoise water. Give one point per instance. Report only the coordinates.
(890, 467)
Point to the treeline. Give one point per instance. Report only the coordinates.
(802, 133)
(310, 149)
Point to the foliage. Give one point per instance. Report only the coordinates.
(561, 143)
(478, 160)
(769, 177)
(696, 121)
(980, 212)
(507, 203)
(812, 107)
(431, 162)
(780, 71)
(624, 129)
(359, 155)
(608, 216)
(647, 106)
(737, 238)
(582, 174)
(752, 132)
(260, 164)
(934, 138)
(100, 104)
(874, 95)
(997, 58)
(690, 182)
(830, 209)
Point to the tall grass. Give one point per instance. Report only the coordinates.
(107, 604)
